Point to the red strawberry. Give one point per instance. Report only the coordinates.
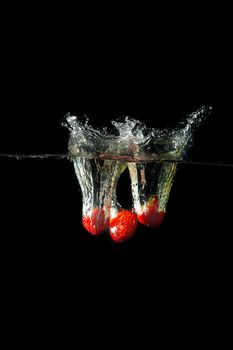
(123, 225)
(150, 215)
(95, 221)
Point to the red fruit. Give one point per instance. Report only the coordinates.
(123, 225)
(95, 222)
(150, 215)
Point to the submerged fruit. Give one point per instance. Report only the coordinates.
(123, 225)
(95, 221)
(150, 214)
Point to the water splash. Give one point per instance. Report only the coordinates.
(130, 144)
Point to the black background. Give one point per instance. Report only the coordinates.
(151, 72)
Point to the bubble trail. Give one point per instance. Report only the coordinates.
(94, 175)
(151, 183)
(98, 181)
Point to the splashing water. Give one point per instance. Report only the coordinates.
(101, 156)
